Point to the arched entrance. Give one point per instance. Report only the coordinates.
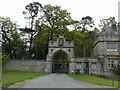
(60, 62)
(60, 58)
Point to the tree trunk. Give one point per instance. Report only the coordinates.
(31, 33)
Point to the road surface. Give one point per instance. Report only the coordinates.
(56, 81)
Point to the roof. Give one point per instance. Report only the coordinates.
(108, 31)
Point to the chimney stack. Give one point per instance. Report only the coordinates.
(114, 27)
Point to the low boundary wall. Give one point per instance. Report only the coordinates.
(25, 65)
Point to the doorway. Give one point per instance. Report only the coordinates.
(60, 62)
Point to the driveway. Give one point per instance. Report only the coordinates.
(57, 81)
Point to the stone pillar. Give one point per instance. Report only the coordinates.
(72, 65)
(48, 67)
(49, 64)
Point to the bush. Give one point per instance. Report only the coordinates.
(5, 59)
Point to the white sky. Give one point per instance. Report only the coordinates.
(97, 9)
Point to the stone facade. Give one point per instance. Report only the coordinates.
(63, 45)
(74, 63)
(94, 65)
(105, 47)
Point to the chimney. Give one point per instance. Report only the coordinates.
(114, 27)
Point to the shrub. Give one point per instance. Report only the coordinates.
(5, 59)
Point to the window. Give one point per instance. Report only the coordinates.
(93, 65)
(69, 50)
(115, 61)
(111, 46)
(79, 66)
(112, 62)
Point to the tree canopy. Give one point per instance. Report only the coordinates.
(46, 23)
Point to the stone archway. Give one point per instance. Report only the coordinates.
(60, 62)
(66, 47)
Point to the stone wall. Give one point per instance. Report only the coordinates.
(39, 66)
(26, 65)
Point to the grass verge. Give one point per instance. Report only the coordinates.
(12, 77)
(94, 79)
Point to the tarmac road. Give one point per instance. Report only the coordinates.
(56, 81)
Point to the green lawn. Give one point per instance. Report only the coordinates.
(12, 77)
(94, 79)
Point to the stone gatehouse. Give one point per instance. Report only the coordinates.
(105, 52)
(88, 65)
(64, 46)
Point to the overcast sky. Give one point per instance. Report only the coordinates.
(97, 9)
